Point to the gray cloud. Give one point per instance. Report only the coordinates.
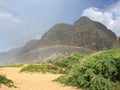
(15, 32)
(23, 20)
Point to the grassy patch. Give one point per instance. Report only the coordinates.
(6, 81)
(41, 68)
(12, 65)
(34, 68)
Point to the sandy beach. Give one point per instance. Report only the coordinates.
(32, 81)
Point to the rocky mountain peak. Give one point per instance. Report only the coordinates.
(83, 20)
(83, 33)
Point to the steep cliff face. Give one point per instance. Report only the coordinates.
(84, 36)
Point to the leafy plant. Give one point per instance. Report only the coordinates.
(69, 61)
(5, 81)
(65, 64)
(95, 72)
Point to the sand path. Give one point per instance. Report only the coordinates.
(36, 81)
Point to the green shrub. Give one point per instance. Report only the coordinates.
(65, 64)
(95, 72)
(69, 61)
(51, 68)
(61, 79)
(100, 83)
(34, 68)
(5, 81)
(61, 66)
(43, 68)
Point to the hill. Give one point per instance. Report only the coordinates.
(84, 36)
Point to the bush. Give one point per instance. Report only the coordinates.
(65, 64)
(34, 68)
(5, 81)
(95, 72)
(61, 66)
(69, 61)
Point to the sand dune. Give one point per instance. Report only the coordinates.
(36, 81)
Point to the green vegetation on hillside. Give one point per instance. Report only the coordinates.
(6, 81)
(40, 68)
(34, 68)
(62, 66)
(99, 71)
(12, 65)
(65, 64)
(69, 61)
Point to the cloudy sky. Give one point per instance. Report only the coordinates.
(23, 20)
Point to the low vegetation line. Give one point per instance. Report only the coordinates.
(12, 65)
(6, 81)
(60, 66)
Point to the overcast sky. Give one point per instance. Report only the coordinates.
(23, 20)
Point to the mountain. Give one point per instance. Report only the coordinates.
(84, 36)
(84, 33)
(6, 56)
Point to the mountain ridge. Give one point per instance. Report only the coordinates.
(59, 31)
(84, 36)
